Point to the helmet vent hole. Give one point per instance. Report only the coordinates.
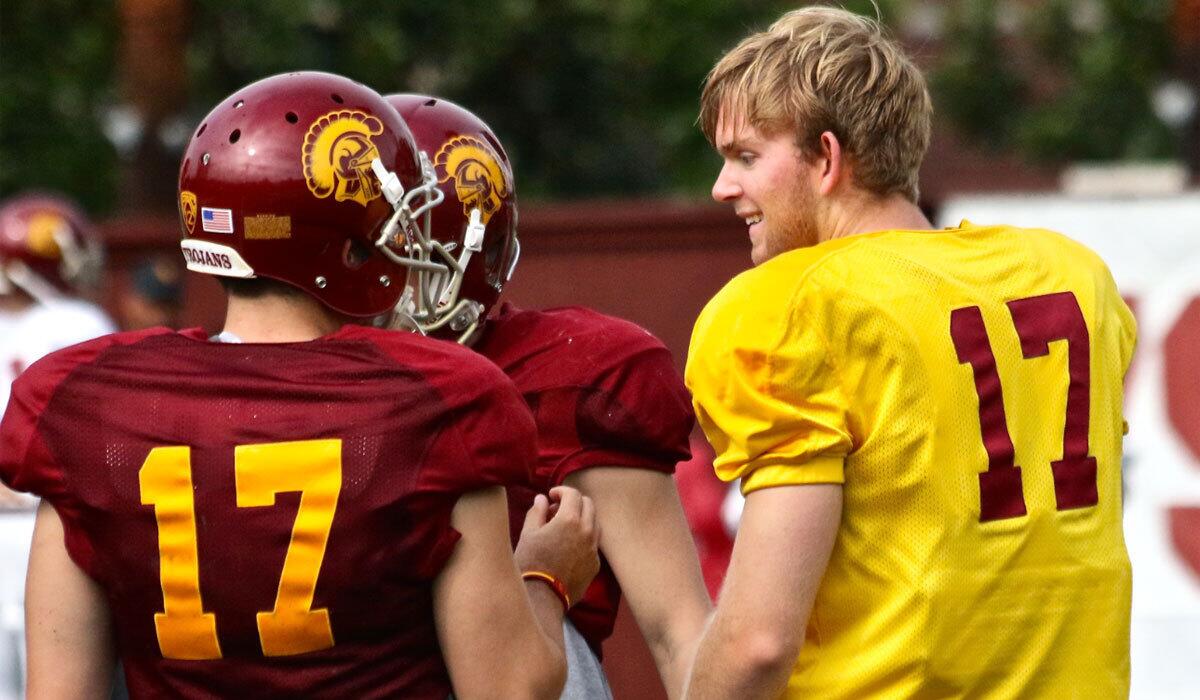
(237, 134)
(356, 254)
(291, 117)
(430, 102)
(239, 104)
(200, 131)
(337, 98)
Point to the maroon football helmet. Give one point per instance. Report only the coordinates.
(48, 248)
(474, 233)
(310, 179)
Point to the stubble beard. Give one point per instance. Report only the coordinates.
(797, 229)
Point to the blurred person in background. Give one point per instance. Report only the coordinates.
(50, 254)
(927, 424)
(703, 496)
(50, 258)
(612, 413)
(303, 505)
(155, 295)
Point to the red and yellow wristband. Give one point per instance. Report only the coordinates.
(554, 583)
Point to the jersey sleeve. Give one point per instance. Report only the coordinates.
(488, 439)
(27, 463)
(764, 387)
(635, 414)
(21, 466)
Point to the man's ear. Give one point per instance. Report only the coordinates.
(831, 166)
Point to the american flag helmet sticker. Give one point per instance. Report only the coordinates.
(216, 220)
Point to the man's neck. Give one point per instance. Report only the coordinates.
(867, 214)
(279, 319)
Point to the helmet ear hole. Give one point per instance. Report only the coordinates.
(355, 254)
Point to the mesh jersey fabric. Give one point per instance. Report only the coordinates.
(130, 435)
(905, 366)
(604, 392)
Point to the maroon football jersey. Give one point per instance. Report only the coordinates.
(604, 392)
(266, 519)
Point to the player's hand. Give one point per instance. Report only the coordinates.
(560, 537)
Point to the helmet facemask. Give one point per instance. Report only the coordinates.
(470, 249)
(436, 299)
(431, 296)
(406, 240)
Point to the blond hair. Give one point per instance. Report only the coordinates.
(821, 69)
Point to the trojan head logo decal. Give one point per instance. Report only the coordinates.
(478, 178)
(187, 207)
(337, 153)
(46, 229)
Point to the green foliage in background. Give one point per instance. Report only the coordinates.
(1080, 88)
(56, 76)
(592, 97)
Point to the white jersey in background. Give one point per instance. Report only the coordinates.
(25, 336)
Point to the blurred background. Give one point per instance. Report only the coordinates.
(1079, 115)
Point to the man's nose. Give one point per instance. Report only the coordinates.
(725, 189)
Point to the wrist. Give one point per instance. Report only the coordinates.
(554, 583)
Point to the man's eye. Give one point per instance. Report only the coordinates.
(747, 158)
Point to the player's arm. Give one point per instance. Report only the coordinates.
(779, 558)
(500, 636)
(67, 625)
(645, 537)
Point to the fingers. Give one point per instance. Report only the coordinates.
(570, 501)
(588, 517)
(538, 513)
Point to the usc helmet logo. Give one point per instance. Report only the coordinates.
(45, 231)
(187, 206)
(337, 155)
(478, 178)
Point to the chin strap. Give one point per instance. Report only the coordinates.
(472, 243)
(401, 316)
(431, 297)
(405, 237)
(461, 315)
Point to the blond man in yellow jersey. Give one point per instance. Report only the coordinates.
(926, 423)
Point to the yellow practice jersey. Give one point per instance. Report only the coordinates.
(965, 387)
